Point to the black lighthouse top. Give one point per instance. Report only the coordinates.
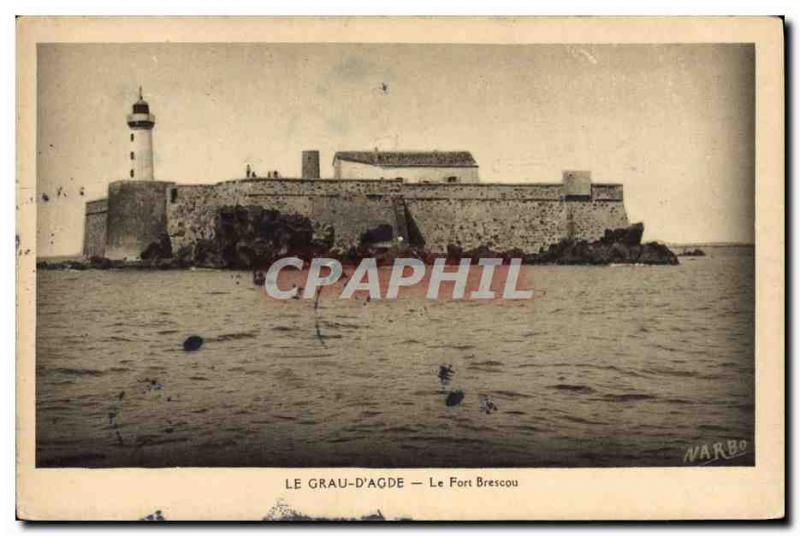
(141, 116)
(141, 107)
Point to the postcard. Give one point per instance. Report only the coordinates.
(400, 269)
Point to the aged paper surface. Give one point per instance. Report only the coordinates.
(640, 389)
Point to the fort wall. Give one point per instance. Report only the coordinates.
(351, 215)
(500, 224)
(588, 220)
(501, 216)
(136, 217)
(94, 230)
(192, 210)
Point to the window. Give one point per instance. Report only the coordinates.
(452, 179)
(131, 136)
(173, 195)
(131, 173)
(131, 155)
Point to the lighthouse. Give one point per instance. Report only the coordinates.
(141, 123)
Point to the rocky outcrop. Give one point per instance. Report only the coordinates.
(159, 255)
(697, 252)
(248, 237)
(62, 265)
(253, 237)
(94, 263)
(617, 246)
(158, 250)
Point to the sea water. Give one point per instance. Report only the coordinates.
(606, 366)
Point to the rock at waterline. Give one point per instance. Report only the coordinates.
(616, 246)
(454, 398)
(193, 343)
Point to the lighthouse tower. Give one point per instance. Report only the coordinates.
(141, 122)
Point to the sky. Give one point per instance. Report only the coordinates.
(673, 123)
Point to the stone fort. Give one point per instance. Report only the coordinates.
(433, 198)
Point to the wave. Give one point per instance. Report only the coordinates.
(629, 397)
(489, 363)
(713, 428)
(76, 371)
(512, 395)
(74, 460)
(572, 388)
(451, 346)
(235, 336)
(680, 401)
(581, 420)
(304, 356)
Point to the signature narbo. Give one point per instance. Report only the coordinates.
(721, 450)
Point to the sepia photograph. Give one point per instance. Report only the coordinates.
(156, 346)
(393, 255)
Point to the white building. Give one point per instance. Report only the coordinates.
(410, 166)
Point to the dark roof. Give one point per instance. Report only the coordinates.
(141, 106)
(409, 158)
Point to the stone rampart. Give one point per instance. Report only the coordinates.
(500, 216)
